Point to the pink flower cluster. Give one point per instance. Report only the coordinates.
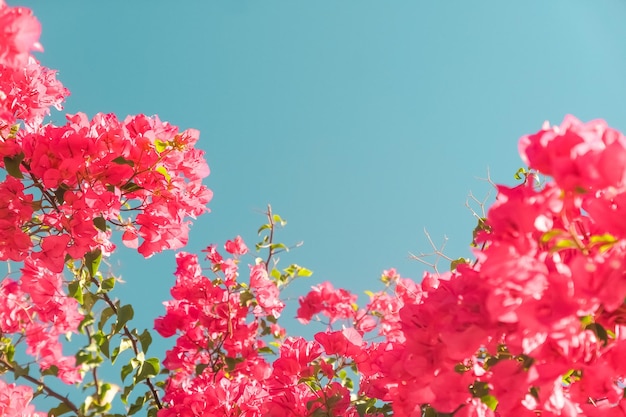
(220, 362)
(15, 401)
(67, 187)
(90, 173)
(535, 325)
(27, 89)
(87, 173)
(38, 307)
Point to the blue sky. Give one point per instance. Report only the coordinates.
(362, 123)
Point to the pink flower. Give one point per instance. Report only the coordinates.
(236, 247)
(336, 304)
(15, 400)
(266, 291)
(53, 251)
(19, 34)
(579, 156)
(213, 255)
(347, 342)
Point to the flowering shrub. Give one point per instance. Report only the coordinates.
(534, 325)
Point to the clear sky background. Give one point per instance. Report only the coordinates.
(361, 122)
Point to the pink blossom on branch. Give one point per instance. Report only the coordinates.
(15, 401)
(533, 326)
(19, 35)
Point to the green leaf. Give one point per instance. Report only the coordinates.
(430, 412)
(230, 362)
(76, 291)
(59, 193)
(92, 261)
(149, 369)
(145, 339)
(137, 405)
(107, 394)
(152, 412)
(480, 389)
(59, 410)
(534, 392)
(200, 368)
(277, 219)
(266, 349)
(455, 263)
(245, 298)
(99, 337)
(126, 370)
(275, 246)
(89, 299)
(163, 171)
(160, 145)
(105, 347)
(482, 226)
(100, 223)
(520, 174)
(52, 370)
(86, 321)
(9, 351)
(526, 361)
(82, 357)
(460, 368)
(490, 401)
(599, 331)
(275, 273)
(304, 272)
(124, 315)
(12, 165)
(127, 391)
(264, 227)
(120, 160)
(104, 316)
(129, 187)
(107, 284)
(125, 344)
(18, 371)
(366, 406)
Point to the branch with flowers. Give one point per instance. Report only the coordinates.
(533, 325)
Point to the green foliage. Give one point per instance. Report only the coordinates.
(482, 226)
(520, 174)
(288, 274)
(59, 410)
(599, 331)
(124, 315)
(12, 165)
(120, 160)
(100, 223)
(92, 261)
(455, 263)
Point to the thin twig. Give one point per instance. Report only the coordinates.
(270, 251)
(133, 341)
(49, 391)
(94, 372)
(438, 252)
